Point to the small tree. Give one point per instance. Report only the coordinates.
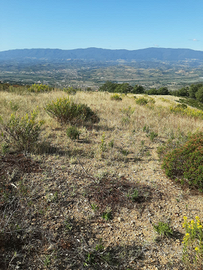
(193, 89)
(138, 89)
(199, 94)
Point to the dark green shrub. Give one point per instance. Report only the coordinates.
(73, 133)
(193, 89)
(163, 91)
(108, 87)
(199, 94)
(183, 92)
(138, 89)
(123, 88)
(152, 91)
(66, 111)
(186, 162)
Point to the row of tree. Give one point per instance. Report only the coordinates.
(194, 91)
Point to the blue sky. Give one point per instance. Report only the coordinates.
(110, 24)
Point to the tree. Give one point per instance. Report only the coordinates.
(138, 89)
(108, 87)
(193, 89)
(199, 94)
(124, 88)
(163, 91)
(183, 92)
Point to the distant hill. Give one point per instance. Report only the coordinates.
(96, 54)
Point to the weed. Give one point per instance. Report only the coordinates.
(94, 207)
(133, 196)
(47, 260)
(103, 143)
(68, 225)
(73, 133)
(152, 135)
(107, 215)
(124, 152)
(111, 143)
(163, 229)
(146, 129)
(125, 121)
(127, 111)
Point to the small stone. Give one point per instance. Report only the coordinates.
(120, 219)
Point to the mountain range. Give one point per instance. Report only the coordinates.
(97, 54)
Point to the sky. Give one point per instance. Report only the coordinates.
(108, 24)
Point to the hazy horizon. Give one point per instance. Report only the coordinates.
(98, 48)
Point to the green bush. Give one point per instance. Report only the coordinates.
(38, 88)
(199, 94)
(141, 101)
(66, 111)
(73, 133)
(70, 90)
(163, 229)
(21, 133)
(186, 161)
(116, 97)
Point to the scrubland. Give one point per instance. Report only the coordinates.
(101, 200)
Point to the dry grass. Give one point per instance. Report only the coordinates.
(52, 200)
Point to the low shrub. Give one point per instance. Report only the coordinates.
(186, 161)
(73, 133)
(116, 97)
(70, 90)
(184, 110)
(141, 101)
(21, 133)
(40, 88)
(163, 229)
(67, 111)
